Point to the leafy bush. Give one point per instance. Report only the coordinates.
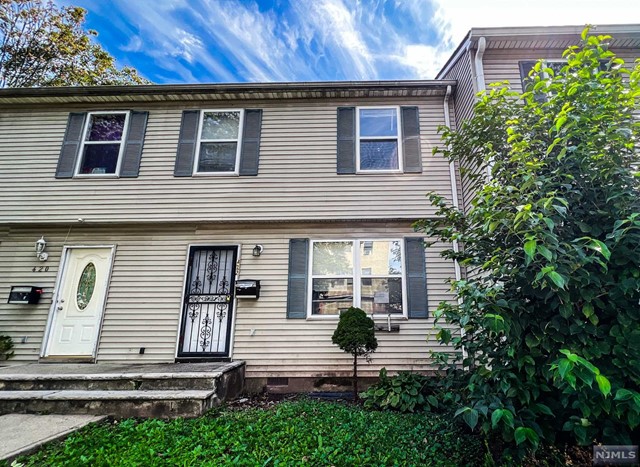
(291, 433)
(550, 308)
(355, 334)
(402, 392)
(6, 348)
(411, 392)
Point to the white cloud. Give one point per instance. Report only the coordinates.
(135, 44)
(456, 17)
(424, 60)
(189, 45)
(336, 29)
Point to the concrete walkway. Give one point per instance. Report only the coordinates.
(25, 433)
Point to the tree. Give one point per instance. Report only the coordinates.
(42, 45)
(355, 334)
(552, 244)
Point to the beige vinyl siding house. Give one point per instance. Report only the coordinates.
(152, 224)
(156, 201)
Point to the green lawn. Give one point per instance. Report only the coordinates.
(290, 433)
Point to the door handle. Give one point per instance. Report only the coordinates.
(59, 308)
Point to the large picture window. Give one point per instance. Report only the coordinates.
(379, 144)
(364, 273)
(103, 143)
(219, 142)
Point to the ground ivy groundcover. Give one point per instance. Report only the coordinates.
(290, 433)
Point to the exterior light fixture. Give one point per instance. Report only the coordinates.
(40, 247)
(257, 250)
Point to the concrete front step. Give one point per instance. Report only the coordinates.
(152, 390)
(162, 404)
(109, 381)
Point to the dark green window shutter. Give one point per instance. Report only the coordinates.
(130, 165)
(346, 140)
(411, 140)
(416, 277)
(71, 145)
(250, 152)
(187, 143)
(298, 274)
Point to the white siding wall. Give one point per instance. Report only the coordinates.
(297, 178)
(144, 301)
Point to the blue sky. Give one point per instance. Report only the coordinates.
(212, 41)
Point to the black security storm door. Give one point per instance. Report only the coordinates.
(208, 302)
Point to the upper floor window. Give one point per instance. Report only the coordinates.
(379, 145)
(378, 140)
(103, 143)
(219, 142)
(527, 65)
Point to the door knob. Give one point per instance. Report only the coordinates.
(59, 308)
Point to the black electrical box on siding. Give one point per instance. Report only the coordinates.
(25, 294)
(248, 288)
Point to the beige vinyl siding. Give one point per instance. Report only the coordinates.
(502, 64)
(144, 300)
(465, 100)
(297, 177)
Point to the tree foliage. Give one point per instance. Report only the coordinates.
(43, 45)
(551, 305)
(355, 334)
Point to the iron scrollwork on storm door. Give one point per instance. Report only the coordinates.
(208, 302)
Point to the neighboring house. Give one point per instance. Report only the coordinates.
(491, 55)
(155, 202)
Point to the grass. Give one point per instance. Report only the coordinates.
(290, 433)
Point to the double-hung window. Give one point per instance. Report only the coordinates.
(102, 143)
(368, 274)
(218, 149)
(379, 143)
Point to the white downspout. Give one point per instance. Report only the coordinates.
(482, 45)
(456, 204)
(452, 175)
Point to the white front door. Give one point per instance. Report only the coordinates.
(79, 303)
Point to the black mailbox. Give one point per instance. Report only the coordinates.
(248, 288)
(25, 294)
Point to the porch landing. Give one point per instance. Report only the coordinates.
(120, 390)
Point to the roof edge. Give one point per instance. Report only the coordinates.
(158, 89)
(618, 31)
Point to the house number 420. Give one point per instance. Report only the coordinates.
(40, 269)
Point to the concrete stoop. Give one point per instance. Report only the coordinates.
(159, 391)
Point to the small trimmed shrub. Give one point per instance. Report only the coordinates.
(355, 334)
(6, 348)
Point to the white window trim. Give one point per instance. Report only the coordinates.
(199, 140)
(367, 138)
(357, 278)
(123, 141)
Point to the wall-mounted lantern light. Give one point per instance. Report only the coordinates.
(257, 250)
(40, 247)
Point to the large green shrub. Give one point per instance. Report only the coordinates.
(550, 308)
(355, 334)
